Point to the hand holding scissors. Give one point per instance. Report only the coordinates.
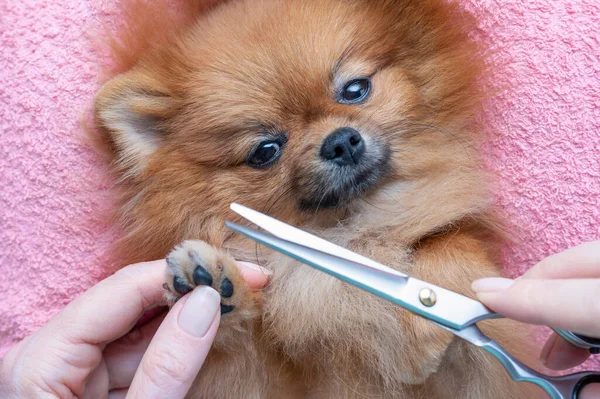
(558, 291)
(454, 312)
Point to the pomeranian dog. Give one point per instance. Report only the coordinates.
(350, 119)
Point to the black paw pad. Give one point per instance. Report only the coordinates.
(202, 277)
(226, 288)
(226, 308)
(181, 286)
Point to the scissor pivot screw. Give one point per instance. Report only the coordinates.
(427, 297)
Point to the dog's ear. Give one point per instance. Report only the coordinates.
(131, 110)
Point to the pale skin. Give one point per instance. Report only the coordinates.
(90, 349)
(561, 291)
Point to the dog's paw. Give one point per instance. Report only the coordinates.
(194, 263)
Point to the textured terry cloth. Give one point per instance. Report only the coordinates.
(54, 245)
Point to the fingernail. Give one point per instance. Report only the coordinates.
(256, 267)
(199, 311)
(493, 284)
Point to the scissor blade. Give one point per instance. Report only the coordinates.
(382, 283)
(451, 309)
(293, 234)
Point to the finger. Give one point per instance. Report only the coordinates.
(256, 276)
(70, 345)
(118, 394)
(96, 385)
(564, 304)
(592, 391)
(109, 309)
(179, 347)
(558, 354)
(124, 356)
(582, 261)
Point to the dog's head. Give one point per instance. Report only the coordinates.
(292, 106)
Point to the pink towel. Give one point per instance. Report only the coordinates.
(55, 244)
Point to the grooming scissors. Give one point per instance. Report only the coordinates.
(454, 312)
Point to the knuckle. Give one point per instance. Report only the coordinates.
(527, 299)
(125, 274)
(594, 304)
(547, 266)
(589, 310)
(165, 369)
(129, 277)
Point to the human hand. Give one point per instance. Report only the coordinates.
(562, 291)
(90, 349)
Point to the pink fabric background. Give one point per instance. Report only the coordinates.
(53, 244)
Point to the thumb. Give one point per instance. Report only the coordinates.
(179, 347)
(565, 304)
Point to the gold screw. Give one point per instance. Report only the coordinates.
(427, 297)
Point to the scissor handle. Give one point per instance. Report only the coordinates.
(581, 341)
(592, 378)
(571, 385)
(564, 387)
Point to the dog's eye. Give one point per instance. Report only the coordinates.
(265, 153)
(355, 91)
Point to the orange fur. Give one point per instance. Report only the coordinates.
(194, 95)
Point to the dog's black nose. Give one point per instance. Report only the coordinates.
(343, 146)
